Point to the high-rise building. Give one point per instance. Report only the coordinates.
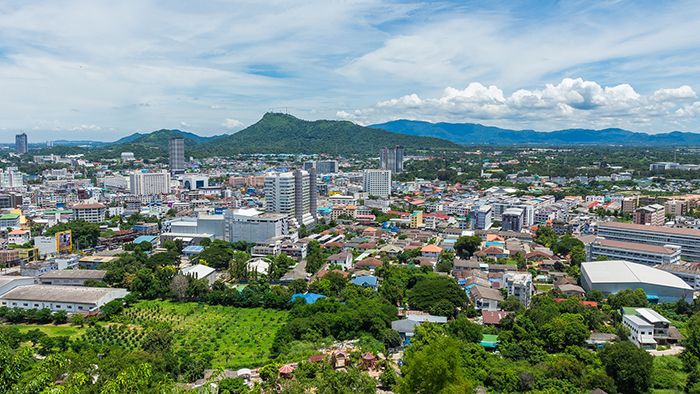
(149, 183)
(327, 166)
(392, 159)
(377, 182)
(11, 178)
(292, 194)
(21, 145)
(176, 149)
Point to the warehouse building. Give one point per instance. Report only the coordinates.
(71, 299)
(613, 276)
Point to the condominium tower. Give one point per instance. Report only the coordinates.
(21, 146)
(293, 194)
(176, 147)
(392, 159)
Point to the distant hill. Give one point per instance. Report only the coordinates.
(160, 138)
(474, 133)
(282, 133)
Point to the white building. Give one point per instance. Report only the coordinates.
(119, 182)
(519, 285)
(149, 183)
(377, 182)
(633, 251)
(251, 225)
(612, 276)
(93, 213)
(687, 239)
(292, 194)
(647, 327)
(482, 216)
(200, 271)
(71, 299)
(128, 156)
(10, 178)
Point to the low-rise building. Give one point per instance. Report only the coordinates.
(71, 277)
(519, 285)
(647, 327)
(633, 251)
(93, 213)
(72, 299)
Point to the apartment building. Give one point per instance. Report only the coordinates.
(519, 285)
(293, 194)
(93, 213)
(651, 215)
(149, 183)
(377, 182)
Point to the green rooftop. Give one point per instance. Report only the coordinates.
(9, 216)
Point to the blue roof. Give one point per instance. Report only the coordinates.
(145, 238)
(366, 280)
(309, 298)
(193, 249)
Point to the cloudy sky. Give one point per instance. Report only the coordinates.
(104, 69)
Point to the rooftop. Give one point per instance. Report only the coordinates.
(660, 229)
(621, 271)
(74, 274)
(634, 246)
(52, 293)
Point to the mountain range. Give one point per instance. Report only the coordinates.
(279, 133)
(477, 134)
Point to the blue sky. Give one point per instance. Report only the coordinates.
(101, 70)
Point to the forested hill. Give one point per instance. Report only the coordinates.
(474, 133)
(282, 133)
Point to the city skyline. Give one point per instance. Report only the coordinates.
(215, 69)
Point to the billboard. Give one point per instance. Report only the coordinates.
(64, 241)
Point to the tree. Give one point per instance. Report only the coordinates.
(568, 329)
(692, 341)
(232, 386)
(464, 330)
(466, 246)
(628, 297)
(545, 235)
(629, 366)
(433, 367)
(446, 261)
(314, 257)
(178, 286)
(436, 292)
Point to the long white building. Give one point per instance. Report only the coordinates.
(687, 239)
(633, 251)
(149, 183)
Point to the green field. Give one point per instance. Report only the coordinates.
(235, 337)
(51, 330)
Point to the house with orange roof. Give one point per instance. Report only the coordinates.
(19, 237)
(431, 251)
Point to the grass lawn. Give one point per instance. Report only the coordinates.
(51, 330)
(235, 337)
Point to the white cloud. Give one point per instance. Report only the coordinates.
(567, 103)
(232, 123)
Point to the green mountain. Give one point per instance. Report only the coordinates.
(282, 133)
(160, 138)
